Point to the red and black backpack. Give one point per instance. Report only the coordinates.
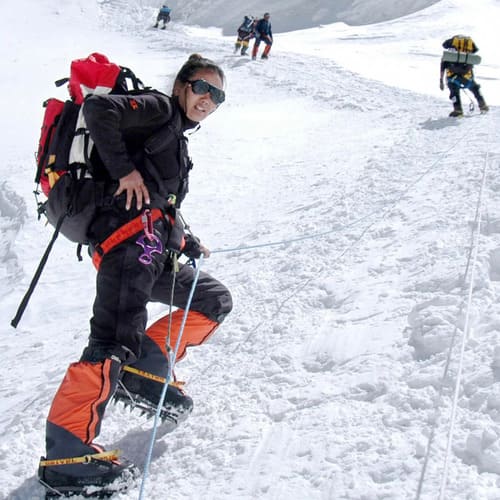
(66, 192)
(64, 170)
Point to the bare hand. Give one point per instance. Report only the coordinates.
(133, 185)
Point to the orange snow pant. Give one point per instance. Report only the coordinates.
(196, 330)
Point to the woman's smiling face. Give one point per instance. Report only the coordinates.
(198, 106)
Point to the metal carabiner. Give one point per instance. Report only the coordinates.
(150, 246)
(149, 242)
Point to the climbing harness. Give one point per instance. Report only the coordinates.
(149, 242)
(121, 234)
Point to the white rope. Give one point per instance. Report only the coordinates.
(474, 245)
(389, 209)
(169, 377)
(444, 478)
(304, 283)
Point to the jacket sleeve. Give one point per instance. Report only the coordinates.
(110, 117)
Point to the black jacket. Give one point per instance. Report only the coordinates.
(143, 132)
(263, 29)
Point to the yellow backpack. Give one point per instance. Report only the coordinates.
(462, 43)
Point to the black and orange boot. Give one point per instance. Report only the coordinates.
(141, 384)
(142, 391)
(74, 464)
(90, 472)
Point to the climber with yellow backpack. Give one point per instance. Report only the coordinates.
(459, 58)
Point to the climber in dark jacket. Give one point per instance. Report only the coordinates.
(163, 16)
(135, 239)
(245, 34)
(459, 75)
(263, 33)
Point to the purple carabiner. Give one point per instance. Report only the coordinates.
(150, 245)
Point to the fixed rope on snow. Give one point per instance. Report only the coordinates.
(444, 478)
(171, 364)
(311, 236)
(471, 264)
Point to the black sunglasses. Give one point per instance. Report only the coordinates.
(201, 87)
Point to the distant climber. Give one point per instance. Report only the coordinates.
(263, 33)
(163, 16)
(246, 32)
(458, 60)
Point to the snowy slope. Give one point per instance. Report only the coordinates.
(327, 379)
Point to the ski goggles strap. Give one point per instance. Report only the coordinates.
(107, 456)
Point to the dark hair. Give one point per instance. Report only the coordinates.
(195, 63)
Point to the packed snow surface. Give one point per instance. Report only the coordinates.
(356, 225)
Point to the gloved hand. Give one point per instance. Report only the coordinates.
(441, 84)
(193, 247)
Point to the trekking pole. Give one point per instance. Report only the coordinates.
(38, 273)
(169, 374)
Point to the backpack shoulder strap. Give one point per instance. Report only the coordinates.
(162, 139)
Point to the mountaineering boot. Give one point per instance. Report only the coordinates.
(244, 51)
(93, 472)
(483, 107)
(457, 111)
(142, 382)
(265, 54)
(237, 47)
(73, 463)
(143, 391)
